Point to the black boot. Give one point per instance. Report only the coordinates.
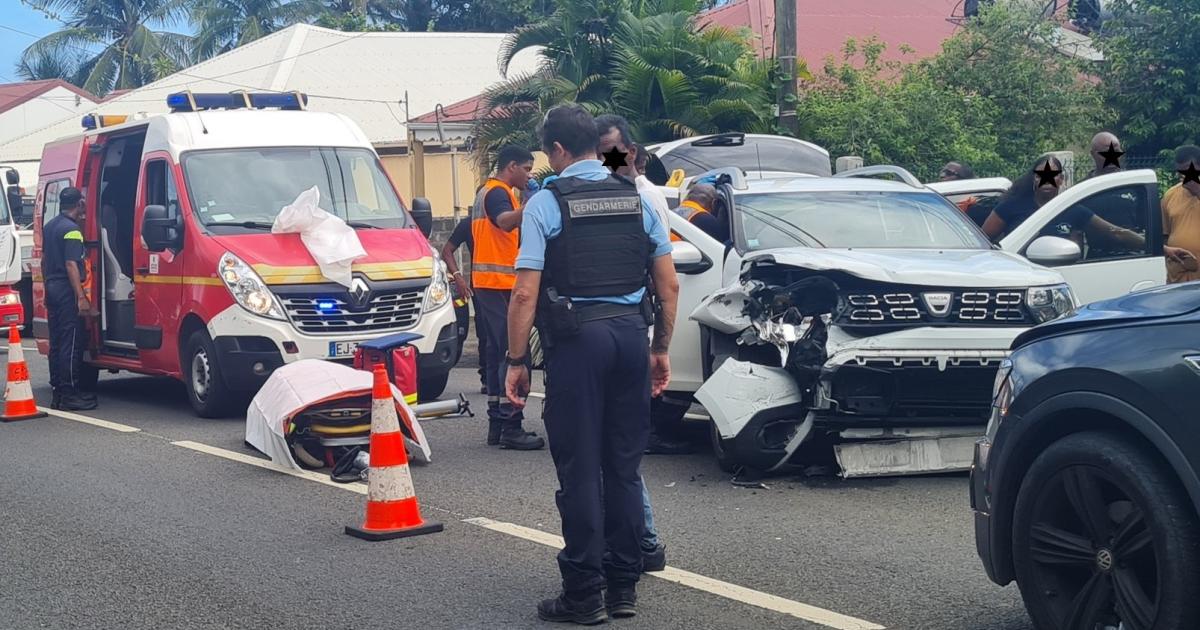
(514, 436)
(621, 601)
(494, 427)
(588, 611)
(75, 402)
(659, 445)
(654, 560)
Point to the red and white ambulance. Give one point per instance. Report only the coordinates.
(189, 279)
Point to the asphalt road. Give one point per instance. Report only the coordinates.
(105, 529)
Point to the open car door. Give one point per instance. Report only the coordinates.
(1121, 252)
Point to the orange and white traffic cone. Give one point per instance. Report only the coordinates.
(392, 510)
(18, 395)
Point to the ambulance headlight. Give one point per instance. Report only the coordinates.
(438, 292)
(9, 299)
(248, 290)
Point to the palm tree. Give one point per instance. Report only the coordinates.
(50, 65)
(644, 59)
(119, 48)
(226, 24)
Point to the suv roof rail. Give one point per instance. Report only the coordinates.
(883, 169)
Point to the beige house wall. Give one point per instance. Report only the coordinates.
(439, 188)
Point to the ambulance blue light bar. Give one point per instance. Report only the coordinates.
(193, 102)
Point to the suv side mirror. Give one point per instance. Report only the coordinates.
(688, 258)
(160, 231)
(422, 213)
(1054, 251)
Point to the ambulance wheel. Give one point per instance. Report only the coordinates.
(430, 386)
(206, 387)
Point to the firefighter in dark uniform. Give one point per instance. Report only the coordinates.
(65, 273)
(589, 243)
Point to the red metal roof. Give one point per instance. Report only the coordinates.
(462, 111)
(822, 26)
(14, 94)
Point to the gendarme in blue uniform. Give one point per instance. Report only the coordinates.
(597, 409)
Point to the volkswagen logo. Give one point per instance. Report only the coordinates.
(938, 304)
(1104, 560)
(360, 293)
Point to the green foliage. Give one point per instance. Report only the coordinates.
(644, 59)
(110, 44)
(1151, 49)
(996, 96)
(223, 25)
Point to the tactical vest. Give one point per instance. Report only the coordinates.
(603, 249)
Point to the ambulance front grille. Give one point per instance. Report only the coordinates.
(325, 314)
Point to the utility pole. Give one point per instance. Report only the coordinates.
(785, 55)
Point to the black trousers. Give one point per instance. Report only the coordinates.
(597, 416)
(493, 305)
(67, 337)
(481, 337)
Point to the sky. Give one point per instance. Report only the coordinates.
(17, 15)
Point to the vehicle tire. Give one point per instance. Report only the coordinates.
(722, 450)
(430, 386)
(1103, 536)
(206, 388)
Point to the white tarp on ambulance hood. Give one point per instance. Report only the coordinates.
(297, 386)
(332, 243)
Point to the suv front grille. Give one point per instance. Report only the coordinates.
(936, 307)
(333, 313)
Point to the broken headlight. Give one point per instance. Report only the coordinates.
(1047, 303)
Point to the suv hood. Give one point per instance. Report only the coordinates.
(928, 267)
(1150, 304)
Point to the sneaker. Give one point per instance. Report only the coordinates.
(587, 612)
(654, 560)
(621, 602)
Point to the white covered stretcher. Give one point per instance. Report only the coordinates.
(298, 386)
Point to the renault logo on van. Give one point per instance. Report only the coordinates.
(360, 293)
(938, 303)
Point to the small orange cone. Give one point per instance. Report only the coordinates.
(392, 510)
(18, 395)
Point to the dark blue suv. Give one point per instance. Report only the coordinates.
(1085, 488)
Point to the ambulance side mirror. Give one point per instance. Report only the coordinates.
(160, 231)
(12, 177)
(422, 213)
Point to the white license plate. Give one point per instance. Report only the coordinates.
(342, 349)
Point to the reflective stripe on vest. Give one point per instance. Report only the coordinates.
(696, 209)
(494, 252)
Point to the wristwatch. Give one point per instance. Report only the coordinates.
(514, 361)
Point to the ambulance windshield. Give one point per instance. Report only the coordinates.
(243, 189)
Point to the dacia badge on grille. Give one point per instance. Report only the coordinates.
(938, 303)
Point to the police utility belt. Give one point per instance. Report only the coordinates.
(563, 317)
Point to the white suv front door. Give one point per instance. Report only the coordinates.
(1116, 221)
(696, 282)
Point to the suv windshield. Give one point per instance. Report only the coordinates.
(755, 154)
(902, 220)
(248, 187)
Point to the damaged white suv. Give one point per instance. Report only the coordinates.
(864, 315)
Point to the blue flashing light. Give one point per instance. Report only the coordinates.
(191, 101)
(326, 305)
(89, 122)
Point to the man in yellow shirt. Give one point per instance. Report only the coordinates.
(1181, 218)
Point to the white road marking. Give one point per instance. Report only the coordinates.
(688, 416)
(702, 583)
(827, 618)
(67, 415)
(537, 395)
